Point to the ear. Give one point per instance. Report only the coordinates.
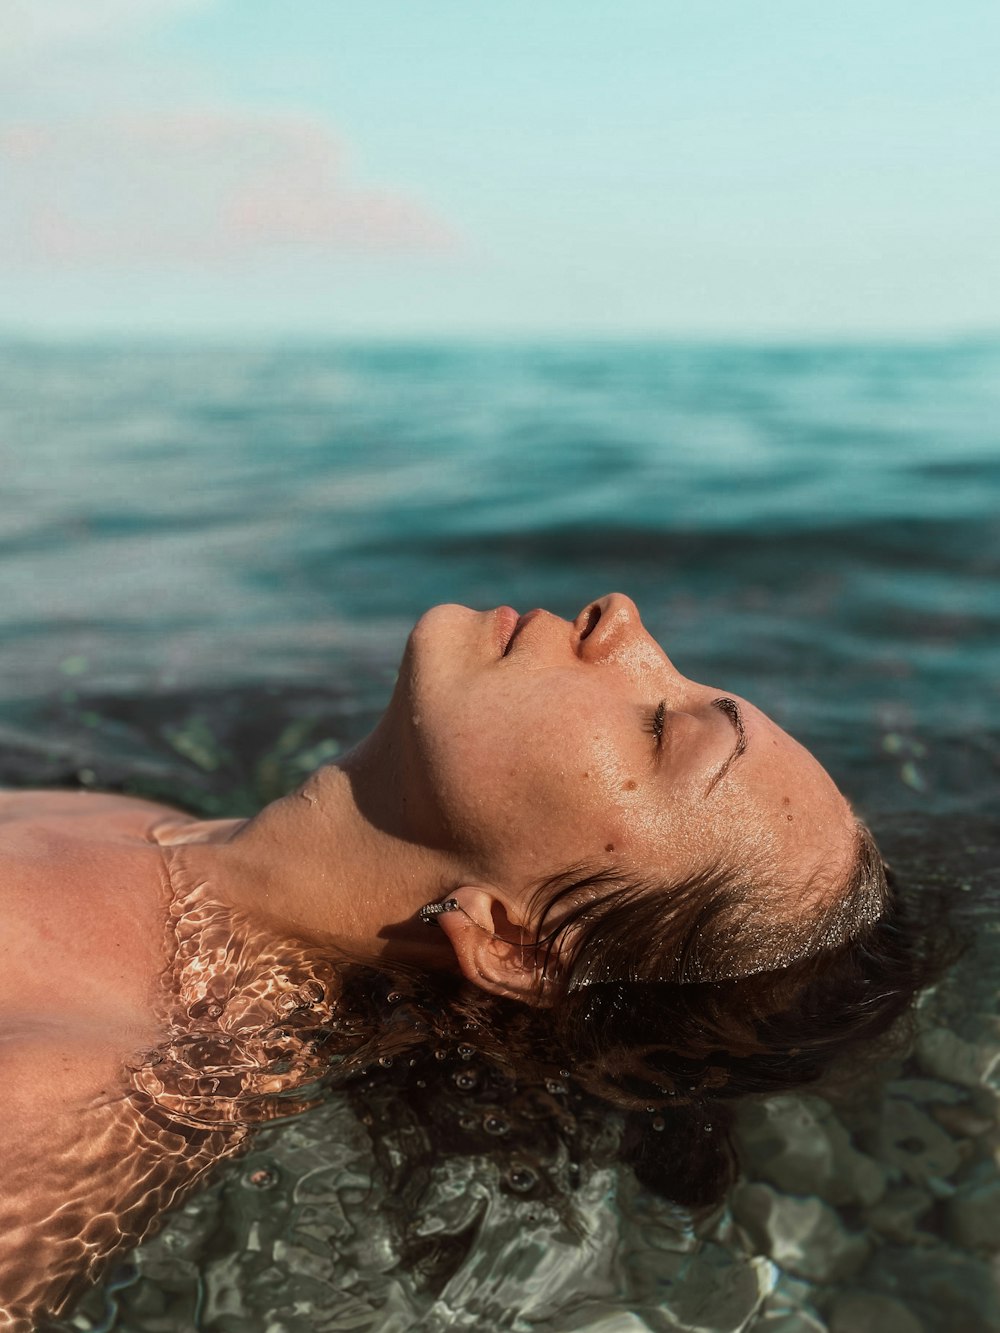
(493, 950)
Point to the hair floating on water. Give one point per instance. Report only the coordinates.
(708, 1005)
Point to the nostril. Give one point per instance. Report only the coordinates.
(593, 616)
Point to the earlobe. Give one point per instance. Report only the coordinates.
(492, 951)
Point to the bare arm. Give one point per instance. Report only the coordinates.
(87, 1170)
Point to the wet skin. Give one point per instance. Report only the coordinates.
(503, 757)
(580, 742)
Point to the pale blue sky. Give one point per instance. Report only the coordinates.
(452, 166)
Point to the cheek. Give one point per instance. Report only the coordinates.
(569, 802)
(532, 785)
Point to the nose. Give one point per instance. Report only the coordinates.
(611, 630)
(607, 626)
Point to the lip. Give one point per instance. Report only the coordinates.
(522, 621)
(507, 621)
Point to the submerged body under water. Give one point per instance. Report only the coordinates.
(210, 561)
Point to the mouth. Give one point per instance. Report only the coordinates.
(507, 621)
(509, 624)
(517, 626)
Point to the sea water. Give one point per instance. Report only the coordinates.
(209, 561)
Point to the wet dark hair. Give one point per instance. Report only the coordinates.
(669, 1004)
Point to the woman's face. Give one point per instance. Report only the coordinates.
(526, 746)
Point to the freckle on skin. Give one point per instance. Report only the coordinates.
(630, 785)
(786, 800)
(609, 846)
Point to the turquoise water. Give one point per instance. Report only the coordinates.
(210, 559)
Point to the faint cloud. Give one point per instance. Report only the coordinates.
(195, 187)
(29, 26)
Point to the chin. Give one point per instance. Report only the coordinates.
(445, 627)
(434, 648)
(446, 611)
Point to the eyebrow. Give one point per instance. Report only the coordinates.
(732, 710)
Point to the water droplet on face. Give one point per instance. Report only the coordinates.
(385, 1061)
(465, 1080)
(393, 997)
(494, 1125)
(659, 1123)
(440, 1054)
(466, 1052)
(554, 1088)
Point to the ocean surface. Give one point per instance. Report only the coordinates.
(209, 562)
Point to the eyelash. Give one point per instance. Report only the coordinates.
(655, 720)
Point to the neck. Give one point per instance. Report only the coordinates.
(321, 864)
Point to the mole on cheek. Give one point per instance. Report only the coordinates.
(609, 846)
(630, 785)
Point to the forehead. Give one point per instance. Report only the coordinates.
(777, 767)
(783, 794)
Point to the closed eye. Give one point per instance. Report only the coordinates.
(654, 721)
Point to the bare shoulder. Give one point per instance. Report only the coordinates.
(57, 1141)
(84, 806)
(86, 1165)
(86, 1170)
(82, 906)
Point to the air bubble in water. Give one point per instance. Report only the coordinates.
(522, 1179)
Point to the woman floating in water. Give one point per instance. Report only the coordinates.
(642, 892)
